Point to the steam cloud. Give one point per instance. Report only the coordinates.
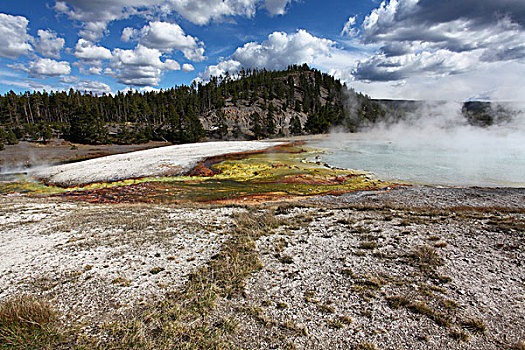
(436, 144)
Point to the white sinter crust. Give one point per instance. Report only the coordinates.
(170, 160)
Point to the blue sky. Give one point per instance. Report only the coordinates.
(425, 49)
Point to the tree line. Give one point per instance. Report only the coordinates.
(175, 114)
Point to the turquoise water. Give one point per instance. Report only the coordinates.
(472, 158)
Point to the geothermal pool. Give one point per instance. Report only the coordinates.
(465, 157)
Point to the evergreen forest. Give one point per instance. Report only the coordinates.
(254, 104)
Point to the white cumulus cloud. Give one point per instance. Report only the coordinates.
(88, 51)
(203, 11)
(95, 15)
(45, 67)
(349, 27)
(48, 44)
(141, 66)
(277, 52)
(433, 38)
(277, 7)
(95, 87)
(13, 36)
(166, 37)
(186, 67)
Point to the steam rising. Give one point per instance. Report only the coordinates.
(436, 145)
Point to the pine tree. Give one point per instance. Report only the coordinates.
(193, 130)
(256, 125)
(3, 136)
(11, 137)
(45, 132)
(175, 125)
(220, 123)
(295, 126)
(269, 122)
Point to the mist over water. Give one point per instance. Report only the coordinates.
(434, 145)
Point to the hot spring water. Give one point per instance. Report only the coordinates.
(460, 155)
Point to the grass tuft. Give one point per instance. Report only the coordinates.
(182, 319)
(475, 325)
(460, 336)
(326, 308)
(423, 309)
(286, 259)
(518, 346)
(365, 346)
(335, 324)
(397, 301)
(27, 322)
(156, 270)
(368, 245)
(426, 256)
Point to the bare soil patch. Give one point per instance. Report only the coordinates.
(34, 154)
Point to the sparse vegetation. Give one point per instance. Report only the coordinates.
(336, 324)
(345, 319)
(220, 307)
(475, 325)
(426, 256)
(295, 328)
(326, 308)
(121, 281)
(459, 336)
(347, 222)
(180, 320)
(365, 346)
(156, 270)
(418, 307)
(286, 259)
(281, 305)
(348, 273)
(397, 301)
(368, 245)
(518, 346)
(423, 309)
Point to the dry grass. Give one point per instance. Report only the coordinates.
(136, 225)
(423, 309)
(418, 307)
(326, 308)
(187, 320)
(368, 245)
(181, 320)
(475, 325)
(27, 322)
(518, 346)
(365, 346)
(397, 301)
(425, 256)
(460, 336)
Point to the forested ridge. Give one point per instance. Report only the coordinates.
(255, 104)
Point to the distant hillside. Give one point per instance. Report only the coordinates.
(255, 104)
(483, 114)
(476, 113)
